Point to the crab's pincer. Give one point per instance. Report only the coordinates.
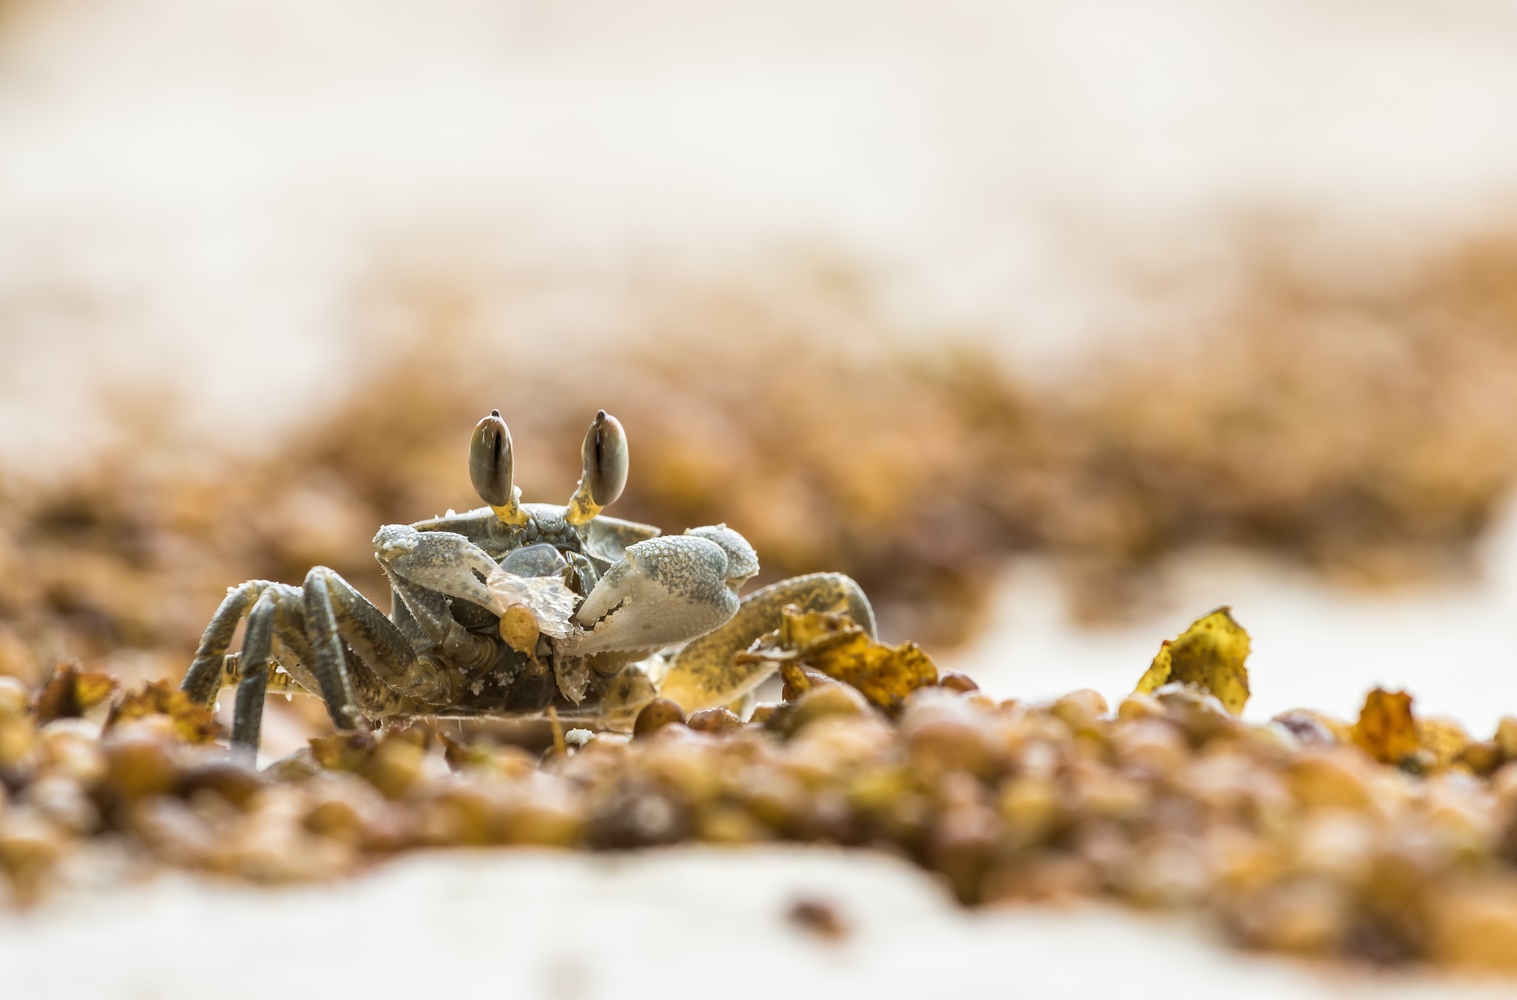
(665, 591)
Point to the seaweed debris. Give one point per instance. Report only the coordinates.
(1391, 840)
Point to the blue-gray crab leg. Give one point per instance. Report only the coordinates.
(429, 614)
(336, 615)
(247, 720)
(704, 675)
(203, 680)
(293, 652)
(331, 641)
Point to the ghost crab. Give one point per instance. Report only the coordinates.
(513, 610)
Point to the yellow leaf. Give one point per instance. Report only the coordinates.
(1211, 655)
(834, 645)
(1386, 729)
(71, 693)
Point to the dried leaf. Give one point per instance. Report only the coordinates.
(71, 693)
(833, 645)
(193, 723)
(1386, 729)
(1210, 655)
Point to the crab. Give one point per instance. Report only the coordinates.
(515, 610)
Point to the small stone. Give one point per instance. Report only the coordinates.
(1139, 706)
(139, 762)
(714, 720)
(234, 780)
(961, 683)
(819, 917)
(655, 715)
(1475, 926)
(1081, 709)
(1320, 779)
(821, 702)
(14, 698)
(1313, 728)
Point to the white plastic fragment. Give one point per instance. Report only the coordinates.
(550, 601)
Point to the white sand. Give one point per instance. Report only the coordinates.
(696, 922)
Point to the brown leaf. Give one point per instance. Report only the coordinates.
(192, 723)
(71, 693)
(1210, 655)
(1386, 729)
(833, 645)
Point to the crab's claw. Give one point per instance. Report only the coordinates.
(666, 591)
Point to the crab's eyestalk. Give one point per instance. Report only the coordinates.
(605, 455)
(490, 468)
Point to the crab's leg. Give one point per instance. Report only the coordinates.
(288, 673)
(203, 679)
(330, 639)
(247, 720)
(427, 612)
(703, 674)
(293, 652)
(337, 614)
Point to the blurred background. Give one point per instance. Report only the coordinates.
(1056, 326)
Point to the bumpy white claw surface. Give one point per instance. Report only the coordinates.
(667, 590)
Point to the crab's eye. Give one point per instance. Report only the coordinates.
(490, 461)
(605, 456)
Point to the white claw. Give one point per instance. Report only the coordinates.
(666, 590)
